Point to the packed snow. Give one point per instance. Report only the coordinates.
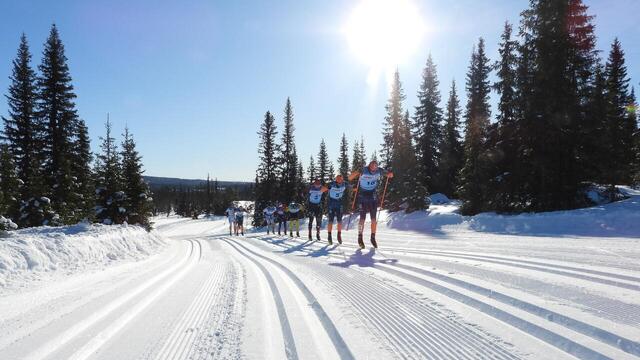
(559, 285)
(46, 253)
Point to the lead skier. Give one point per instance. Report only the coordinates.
(231, 217)
(367, 198)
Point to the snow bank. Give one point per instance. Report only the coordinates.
(38, 253)
(619, 219)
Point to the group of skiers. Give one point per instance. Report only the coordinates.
(365, 196)
(235, 216)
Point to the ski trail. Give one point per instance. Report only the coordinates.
(54, 344)
(289, 343)
(332, 332)
(562, 342)
(182, 336)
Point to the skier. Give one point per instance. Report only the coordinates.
(314, 210)
(240, 221)
(294, 210)
(231, 217)
(336, 192)
(281, 218)
(367, 199)
(269, 217)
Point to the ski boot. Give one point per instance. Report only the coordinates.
(339, 237)
(373, 241)
(329, 239)
(310, 237)
(318, 234)
(297, 233)
(278, 232)
(360, 241)
(291, 233)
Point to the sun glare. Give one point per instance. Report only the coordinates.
(384, 33)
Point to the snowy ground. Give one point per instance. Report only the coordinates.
(440, 287)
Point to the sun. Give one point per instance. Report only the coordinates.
(384, 33)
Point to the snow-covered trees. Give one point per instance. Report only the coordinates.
(137, 195)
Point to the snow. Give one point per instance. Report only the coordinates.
(618, 219)
(560, 285)
(45, 253)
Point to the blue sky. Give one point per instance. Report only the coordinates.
(192, 79)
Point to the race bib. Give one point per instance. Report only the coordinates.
(369, 181)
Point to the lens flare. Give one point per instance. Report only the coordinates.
(384, 33)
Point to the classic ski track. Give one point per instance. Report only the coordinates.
(443, 338)
(289, 341)
(557, 340)
(62, 306)
(548, 268)
(169, 275)
(181, 337)
(411, 338)
(330, 329)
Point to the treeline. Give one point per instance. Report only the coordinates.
(206, 199)
(281, 176)
(46, 171)
(564, 121)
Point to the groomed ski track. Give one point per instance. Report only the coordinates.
(214, 296)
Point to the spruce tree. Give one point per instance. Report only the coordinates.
(322, 171)
(23, 131)
(311, 169)
(344, 168)
(9, 184)
(621, 126)
(110, 199)
(266, 175)
(138, 196)
(56, 108)
(451, 149)
(504, 193)
(356, 162)
(83, 178)
(474, 174)
(427, 127)
(287, 157)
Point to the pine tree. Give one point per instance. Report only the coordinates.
(474, 174)
(266, 175)
(288, 158)
(451, 149)
(9, 185)
(311, 169)
(322, 171)
(504, 193)
(343, 158)
(23, 131)
(83, 178)
(300, 183)
(111, 200)
(427, 127)
(137, 193)
(594, 137)
(620, 125)
(56, 108)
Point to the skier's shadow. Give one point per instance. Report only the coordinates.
(363, 260)
(323, 251)
(299, 247)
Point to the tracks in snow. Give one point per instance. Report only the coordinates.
(341, 348)
(510, 310)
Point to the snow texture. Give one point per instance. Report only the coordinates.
(41, 253)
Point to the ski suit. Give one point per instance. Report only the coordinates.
(314, 209)
(281, 218)
(269, 215)
(367, 197)
(239, 221)
(336, 192)
(294, 211)
(231, 217)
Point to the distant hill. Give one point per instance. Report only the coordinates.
(157, 182)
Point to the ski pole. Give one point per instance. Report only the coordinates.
(353, 204)
(384, 192)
